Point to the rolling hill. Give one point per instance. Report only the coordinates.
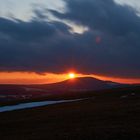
(79, 84)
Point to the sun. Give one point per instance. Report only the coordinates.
(71, 75)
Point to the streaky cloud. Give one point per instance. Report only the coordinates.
(109, 47)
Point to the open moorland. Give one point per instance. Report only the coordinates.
(110, 115)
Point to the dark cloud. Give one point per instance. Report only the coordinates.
(110, 47)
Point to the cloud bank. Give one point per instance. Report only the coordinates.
(109, 47)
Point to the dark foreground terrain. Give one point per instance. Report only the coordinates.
(108, 116)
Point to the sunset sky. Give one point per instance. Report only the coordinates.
(42, 41)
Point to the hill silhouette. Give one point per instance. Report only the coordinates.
(80, 83)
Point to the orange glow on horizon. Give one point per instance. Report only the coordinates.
(34, 78)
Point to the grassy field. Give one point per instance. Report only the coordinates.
(103, 117)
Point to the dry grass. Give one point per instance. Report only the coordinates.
(102, 118)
